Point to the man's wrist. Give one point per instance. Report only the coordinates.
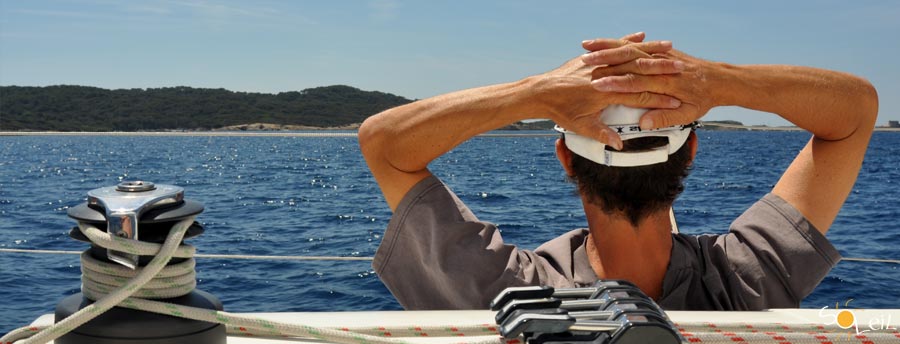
(547, 97)
(500, 105)
(530, 93)
(728, 84)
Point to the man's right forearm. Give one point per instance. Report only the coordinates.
(409, 137)
(399, 143)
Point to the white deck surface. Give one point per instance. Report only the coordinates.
(878, 317)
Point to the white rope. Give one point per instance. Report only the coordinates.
(113, 285)
(258, 257)
(335, 258)
(23, 250)
(873, 260)
(163, 255)
(788, 338)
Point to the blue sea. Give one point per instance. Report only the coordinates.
(315, 196)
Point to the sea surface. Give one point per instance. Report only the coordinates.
(316, 197)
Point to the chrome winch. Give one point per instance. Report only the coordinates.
(142, 211)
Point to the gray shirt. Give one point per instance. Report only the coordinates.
(437, 255)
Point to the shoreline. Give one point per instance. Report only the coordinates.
(732, 127)
(232, 134)
(349, 133)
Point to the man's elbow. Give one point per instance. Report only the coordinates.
(862, 110)
(370, 136)
(868, 103)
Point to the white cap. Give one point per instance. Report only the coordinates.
(625, 121)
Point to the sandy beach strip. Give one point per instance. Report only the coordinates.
(322, 133)
(233, 133)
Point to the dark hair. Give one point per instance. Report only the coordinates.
(635, 191)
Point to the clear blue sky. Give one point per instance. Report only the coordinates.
(419, 49)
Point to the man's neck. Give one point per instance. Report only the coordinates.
(619, 250)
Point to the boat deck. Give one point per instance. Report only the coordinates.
(875, 320)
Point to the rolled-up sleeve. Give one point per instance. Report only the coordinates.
(772, 257)
(436, 254)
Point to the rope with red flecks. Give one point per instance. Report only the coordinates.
(710, 333)
(737, 333)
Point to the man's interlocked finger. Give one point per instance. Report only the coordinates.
(660, 118)
(654, 47)
(592, 127)
(610, 137)
(625, 53)
(604, 43)
(632, 83)
(634, 37)
(643, 66)
(657, 66)
(646, 100)
(618, 83)
(612, 56)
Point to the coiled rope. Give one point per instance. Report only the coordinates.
(113, 285)
(163, 255)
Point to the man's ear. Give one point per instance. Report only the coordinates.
(693, 142)
(564, 155)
